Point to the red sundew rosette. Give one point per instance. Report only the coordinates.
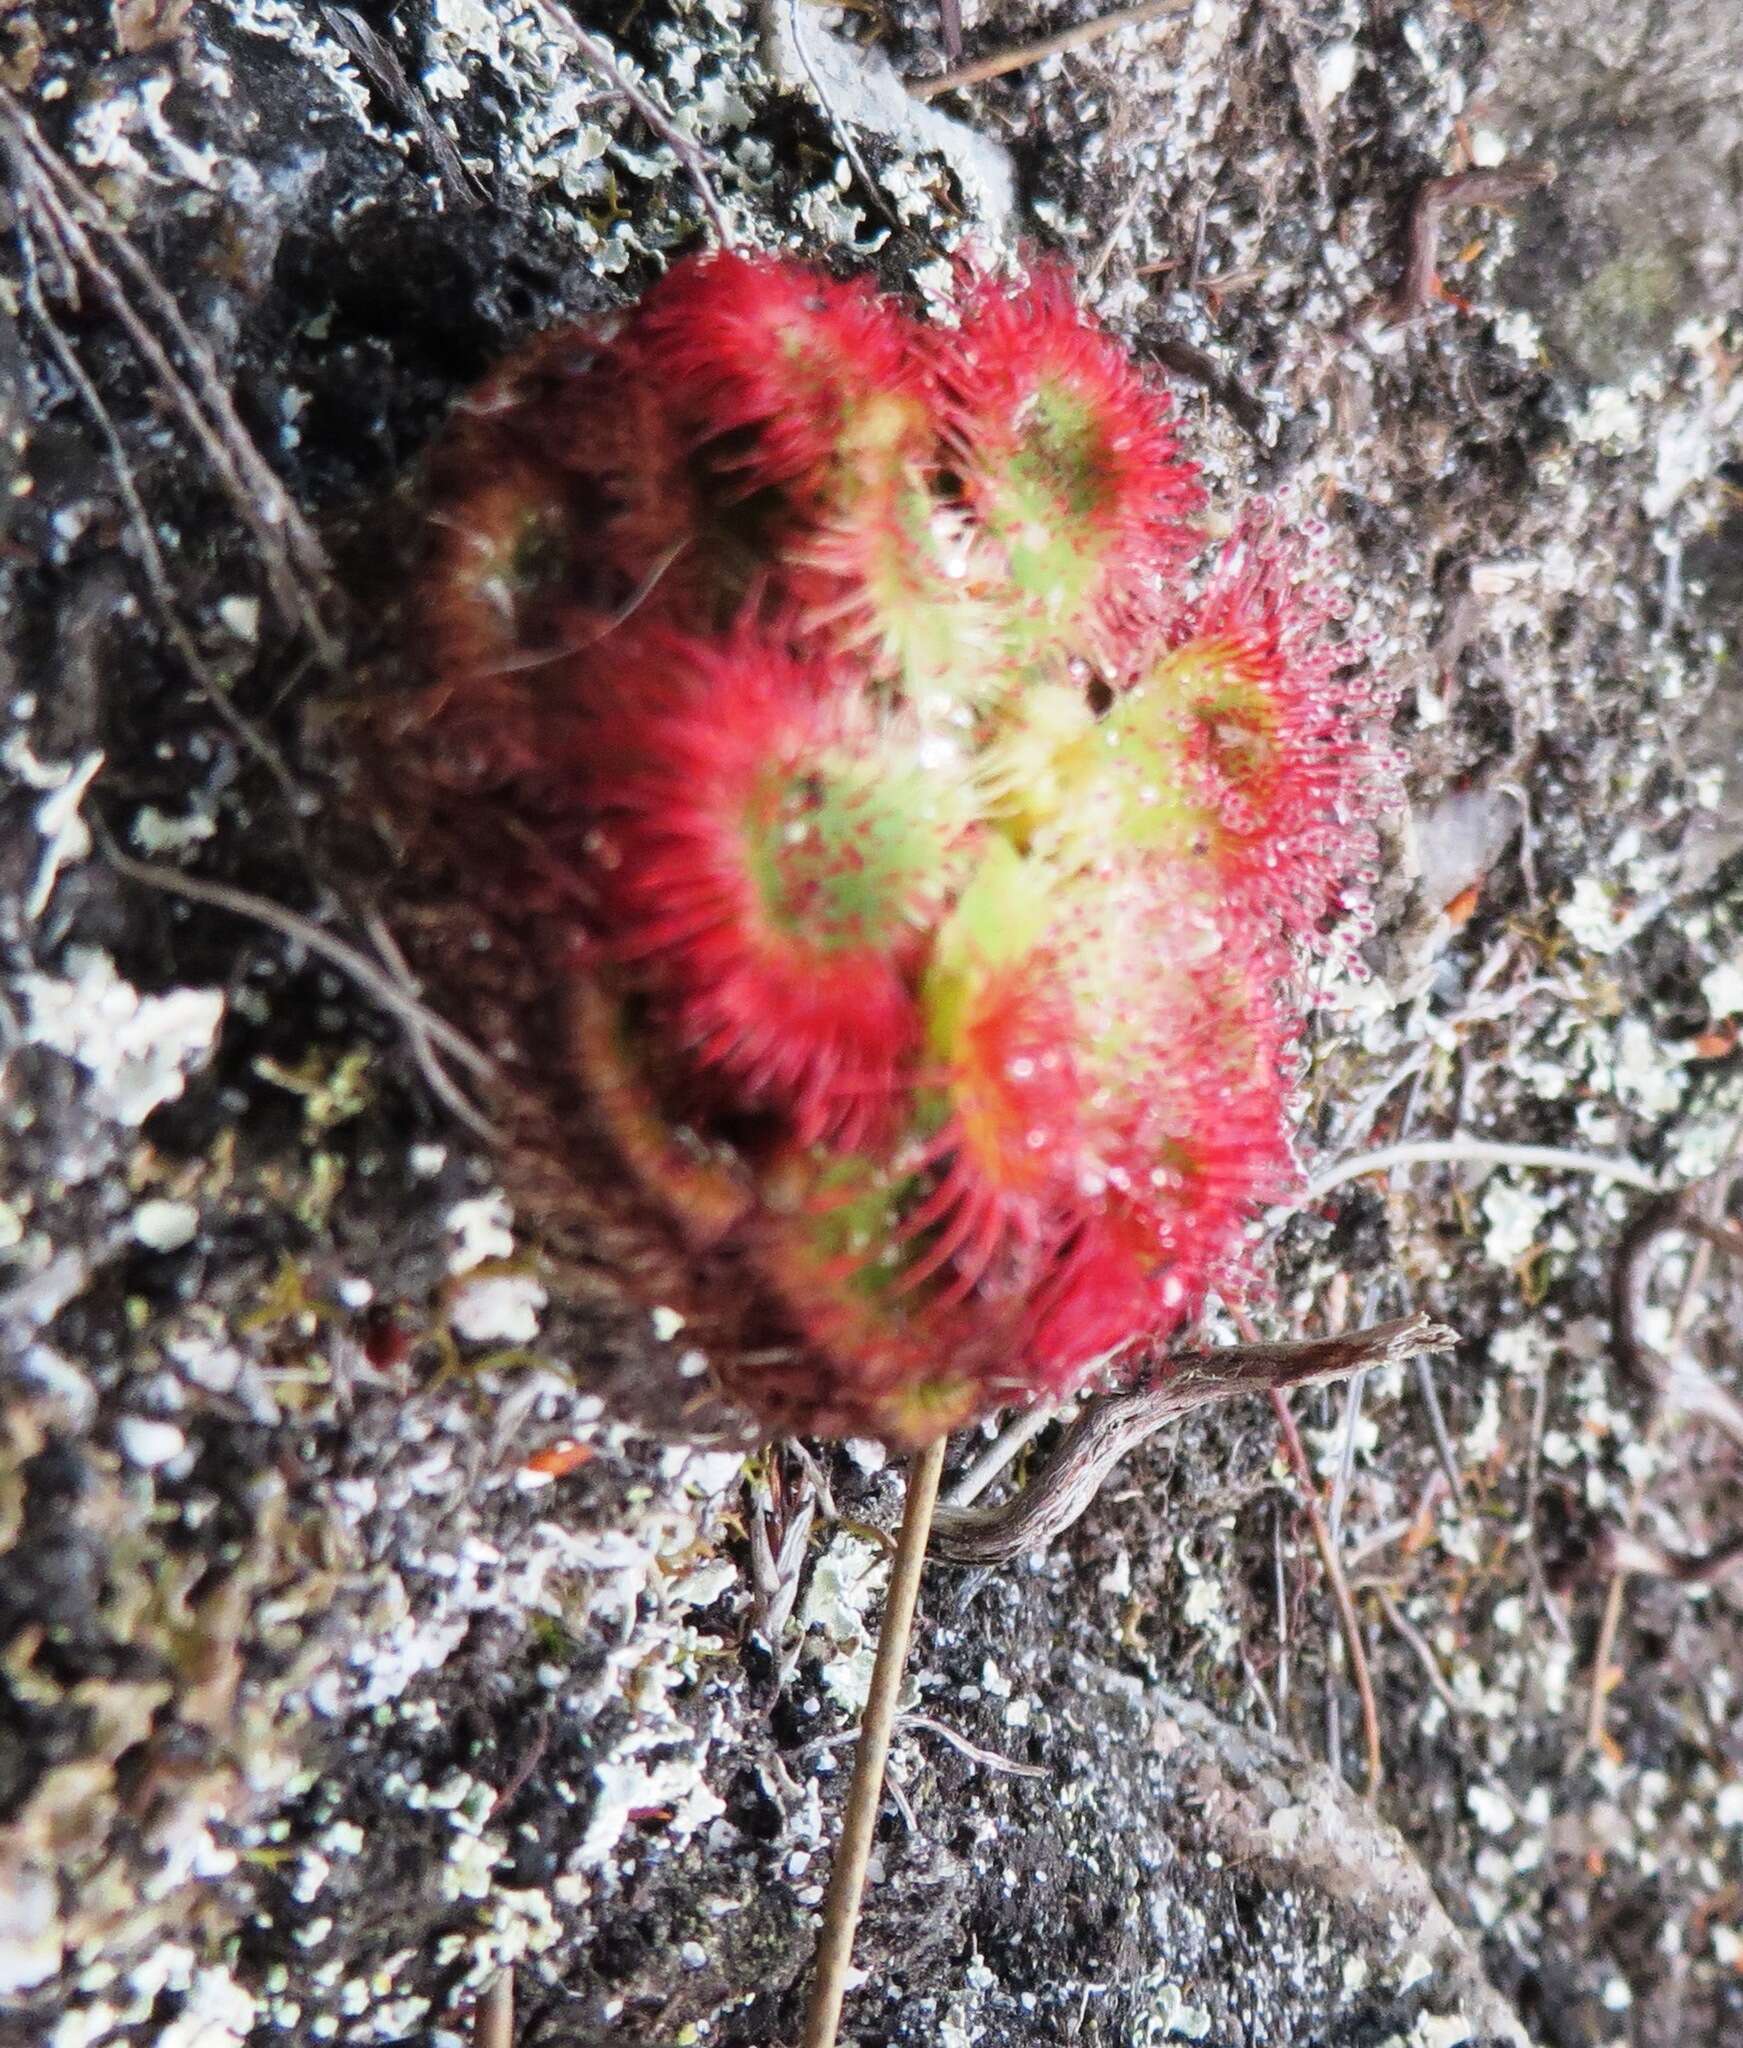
(1111, 1069)
(926, 1000)
(1263, 730)
(767, 861)
(779, 360)
(967, 1266)
(1069, 463)
(563, 505)
(880, 1350)
(811, 409)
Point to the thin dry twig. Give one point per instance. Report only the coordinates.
(493, 2018)
(1261, 1698)
(900, 1801)
(423, 1052)
(296, 567)
(871, 1754)
(1366, 1111)
(1627, 1551)
(999, 1455)
(1439, 1433)
(405, 1008)
(1420, 285)
(1021, 55)
(145, 538)
(1115, 1424)
(1250, 414)
(379, 62)
(1348, 1618)
(1413, 1637)
(1465, 1151)
(220, 436)
(1605, 1672)
(248, 734)
(1110, 241)
(522, 1771)
(1551, 1606)
(837, 126)
(1674, 1380)
(972, 1750)
(1340, 1491)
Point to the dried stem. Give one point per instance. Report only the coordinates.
(522, 1771)
(1115, 1424)
(988, 1759)
(1482, 1152)
(376, 58)
(1627, 1551)
(493, 2020)
(145, 538)
(847, 1878)
(999, 1455)
(837, 126)
(296, 567)
(1420, 285)
(1421, 1649)
(1679, 1383)
(425, 1026)
(1604, 1672)
(73, 224)
(1021, 55)
(1348, 1618)
(1437, 1429)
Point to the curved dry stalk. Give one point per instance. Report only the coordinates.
(1116, 1424)
(1325, 1542)
(1499, 185)
(837, 126)
(1348, 1619)
(1021, 55)
(1627, 1552)
(1004, 1450)
(1482, 1152)
(422, 1025)
(1671, 1381)
(151, 561)
(493, 2021)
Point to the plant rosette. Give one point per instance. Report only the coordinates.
(924, 850)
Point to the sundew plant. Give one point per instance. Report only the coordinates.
(927, 834)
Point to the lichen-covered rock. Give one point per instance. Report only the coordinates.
(347, 1648)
